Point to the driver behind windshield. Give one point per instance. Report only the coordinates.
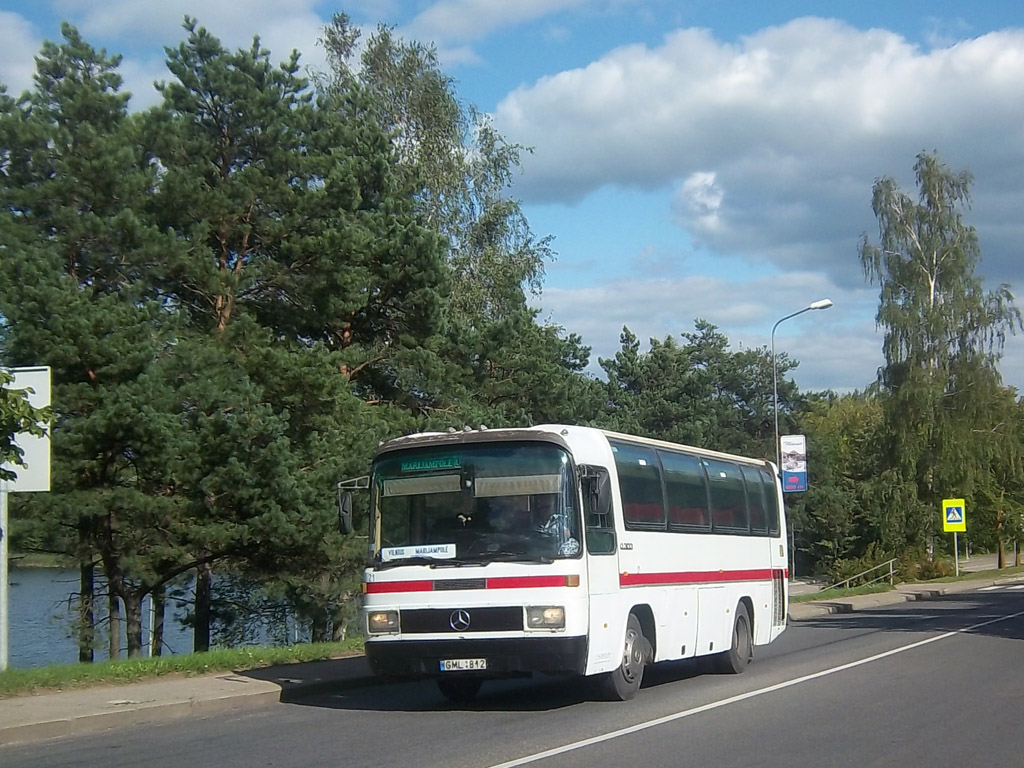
(509, 514)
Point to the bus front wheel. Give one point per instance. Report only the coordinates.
(737, 658)
(623, 683)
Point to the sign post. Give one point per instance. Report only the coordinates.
(34, 476)
(954, 518)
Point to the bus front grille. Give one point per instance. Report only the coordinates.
(462, 620)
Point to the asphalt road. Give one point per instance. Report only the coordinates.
(931, 683)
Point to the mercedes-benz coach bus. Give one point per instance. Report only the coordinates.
(566, 550)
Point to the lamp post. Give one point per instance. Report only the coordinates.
(819, 304)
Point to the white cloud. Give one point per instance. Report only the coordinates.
(18, 45)
(794, 122)
(834, 351)
(449, 20)
(157, 21)
(701, 196)
(139, 29)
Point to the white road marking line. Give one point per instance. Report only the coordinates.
(538, 756)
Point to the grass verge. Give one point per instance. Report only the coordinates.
(872, 589)
(17, 682)
(832, 594)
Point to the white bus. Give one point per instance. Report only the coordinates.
(566, 550)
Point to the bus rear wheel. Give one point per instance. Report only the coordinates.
(623, 683)
(738, 658)
(459, 690)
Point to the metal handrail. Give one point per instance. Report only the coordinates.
(890, 564)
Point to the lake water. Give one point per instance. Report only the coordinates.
(42, 614)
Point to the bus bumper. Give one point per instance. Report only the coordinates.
(506, 657)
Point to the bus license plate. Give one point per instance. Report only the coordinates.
(462, 665)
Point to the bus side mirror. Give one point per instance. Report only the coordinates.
(345, 512)
(597, 494)
(345, 488)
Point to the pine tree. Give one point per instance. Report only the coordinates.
(698, 392)
(76, 251)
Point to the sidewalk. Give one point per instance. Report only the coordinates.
(90, 710)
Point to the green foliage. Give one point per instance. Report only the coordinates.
(856, 571)
(832, 521)
(920, 566)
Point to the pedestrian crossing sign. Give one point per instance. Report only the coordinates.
(954, 515)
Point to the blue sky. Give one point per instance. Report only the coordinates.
(701, 159)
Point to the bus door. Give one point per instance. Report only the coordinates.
(778, 548)
(602, 555)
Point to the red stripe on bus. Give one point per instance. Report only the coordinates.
(384, 587)
(525, 582)
(505, 582)
(694, 577)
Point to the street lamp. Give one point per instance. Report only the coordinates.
(819, 304)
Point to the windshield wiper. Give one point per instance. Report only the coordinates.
(433, 562)
(507, 556)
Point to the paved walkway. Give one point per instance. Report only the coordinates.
(89, 710)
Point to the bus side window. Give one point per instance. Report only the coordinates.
(643, 503)
(728, 497)
(755, 498)
(768, 482)
(687, 491)
(597, 511)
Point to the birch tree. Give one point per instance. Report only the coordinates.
(944, 334)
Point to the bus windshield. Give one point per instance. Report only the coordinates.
(472, 504)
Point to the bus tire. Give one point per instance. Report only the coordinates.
(623, 683)
(738, 658)
(459, 690)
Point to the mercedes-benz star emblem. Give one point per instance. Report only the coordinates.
(459, 620)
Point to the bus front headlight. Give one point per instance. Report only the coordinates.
(381, 622)
(545, 617)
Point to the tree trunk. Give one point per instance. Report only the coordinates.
(318, 628)
(337, 627)
(114, 620)
(86, 611)
(133, 624)
(156, 639)
(201, 631)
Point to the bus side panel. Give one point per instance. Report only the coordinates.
(608, 617)
(677, 625)
(715, 606)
